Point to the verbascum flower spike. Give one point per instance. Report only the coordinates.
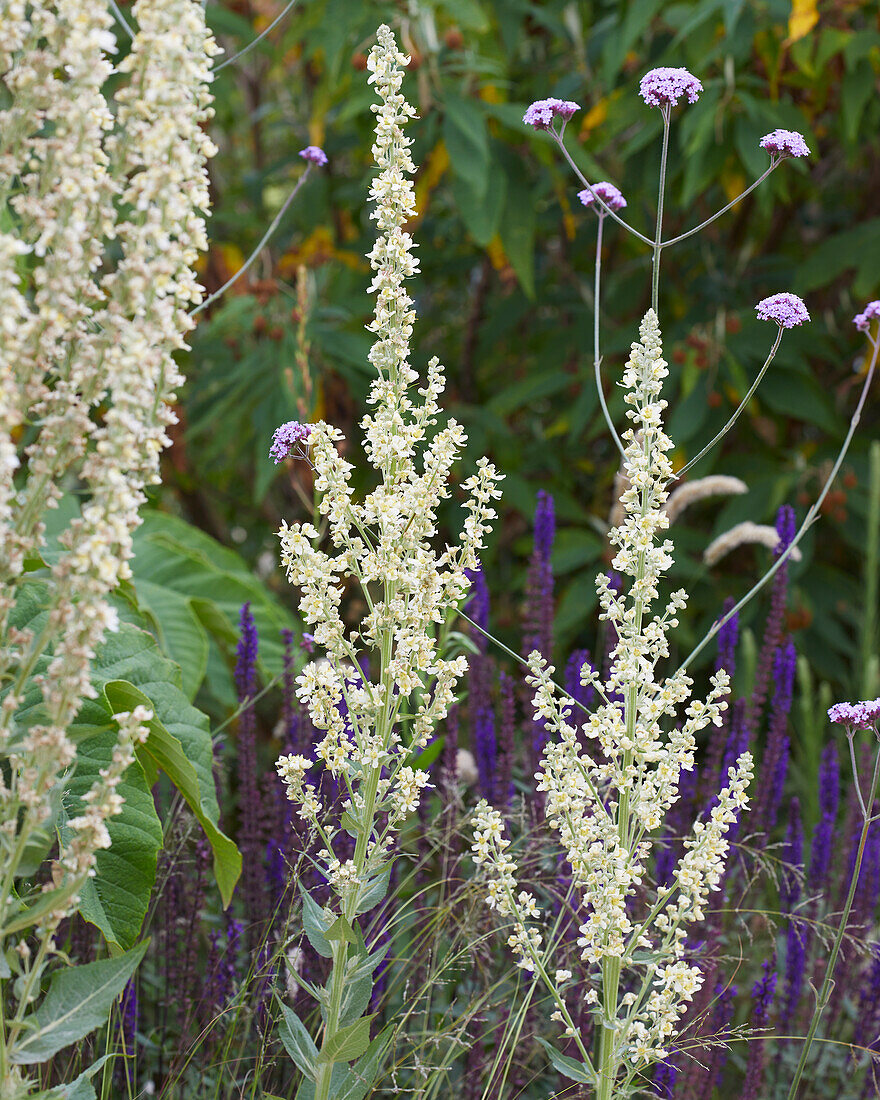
(606, 807)
(89, 333)
(386, 545)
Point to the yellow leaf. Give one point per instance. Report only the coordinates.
(733, 183)
(496, 253)
(594, 117)
(804, 16)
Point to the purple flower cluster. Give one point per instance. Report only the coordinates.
(860, 716)
(785, 143)
(288, 436)
(541, 113)
(823, 834)
(315, 154)
(862, 321)
(607, 192)
(787, 310)
(664, 86)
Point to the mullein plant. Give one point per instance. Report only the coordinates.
(638, 977)
(87, 381)
(385, 545)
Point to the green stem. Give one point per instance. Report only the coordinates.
(828, 984)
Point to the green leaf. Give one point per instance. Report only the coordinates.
(81, 1088)
(297, 1042)
(364, 1073)
(373, 891)
(78, 1001)
(518, 233)
(316, 921)
(340, 930)
(348, 1042)
(180, 632)
(481, 214)
(355, 998)
(116, 899)
(577, 1071)
(182, 749)
(467, 142)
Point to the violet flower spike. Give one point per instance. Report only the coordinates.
(664, 87)
(786, 309)
(315, 154)
(607, 192)
(862, 321)
(542, 112)
(289, 436)
(785, 143)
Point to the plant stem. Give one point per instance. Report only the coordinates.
(737, 412)
(597, 358)
(658, 238)
(868, 624)
(828, 984)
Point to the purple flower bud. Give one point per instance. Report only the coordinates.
(607, 192)
(786, 309)
(664, 86)
(540, 114)
(862, 321)
(785, 143)
(315, 154)
(289, 435)
(307, 643)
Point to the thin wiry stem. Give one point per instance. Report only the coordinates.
(265, 239)
(736, 414)
(658, 246)
(809, 520)
(603, 205)
(597, 358)
(684, 236)
(254, 41)
(123, 22)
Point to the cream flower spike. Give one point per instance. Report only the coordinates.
(742, 535)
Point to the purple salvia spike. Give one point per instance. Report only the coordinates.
(481, 674)
(775, 763)
(722, 1020)
(506, 740)
(829, 800)
(664, 1079)
(250, 840)
(789, 896)
(581, 694)
(786, 527)
(728, 637)
(539, 584)
(867, 1029)
(763, 992)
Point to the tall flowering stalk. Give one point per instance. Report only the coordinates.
(87, 381)
(605, 812)
(385, 545)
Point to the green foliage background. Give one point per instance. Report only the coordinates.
(506, 249)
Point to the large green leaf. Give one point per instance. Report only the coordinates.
(174, 557)
(130, 670)
(116, 899)
(179, 630)
(467, 142)
(78, 1001)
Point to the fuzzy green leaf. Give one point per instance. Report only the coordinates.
(297, 1042)
(78, 1001)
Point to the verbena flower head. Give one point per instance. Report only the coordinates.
(786, 309)
(541, 113)
(605, 808)
(785, 143)
(665, 86)
(861, 716)
(607, 192)
(862, 321)
(287, 438)
(315, 154)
